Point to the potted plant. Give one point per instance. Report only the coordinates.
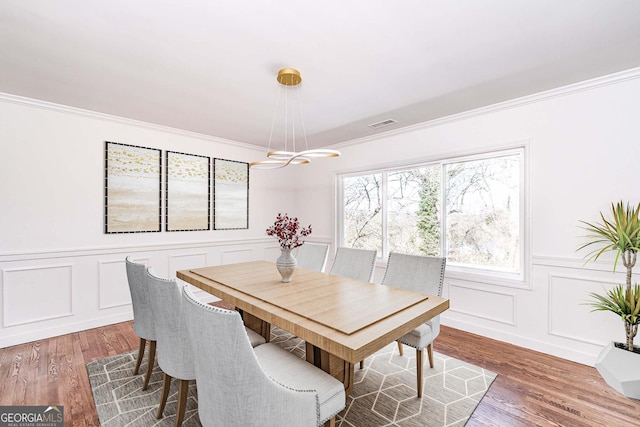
(620, 234)
(288, 232)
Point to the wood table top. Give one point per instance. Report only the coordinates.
(345, 317)
(338, 302)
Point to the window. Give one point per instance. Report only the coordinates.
(469, 209)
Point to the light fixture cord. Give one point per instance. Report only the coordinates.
(273, 122)
(293, 125)
(304, 131)
(286, 117)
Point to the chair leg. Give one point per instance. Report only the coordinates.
(419, 371)
(143, 344)
(400, 349)
(182, 402)
(330, 423)
(151, 360)
(430, 354)
(362, 364)
(166, 384)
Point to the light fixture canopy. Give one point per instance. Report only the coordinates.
(290, 77)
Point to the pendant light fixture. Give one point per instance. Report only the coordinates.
(289, 79)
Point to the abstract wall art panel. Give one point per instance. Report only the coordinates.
(230, 195)
(132, 194)
(188, 194)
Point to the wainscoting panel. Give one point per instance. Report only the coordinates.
(113, 285)
(186, 261)
(36, 294)
(232, 257)
(482, 303)
(570, 317)
(46, 294)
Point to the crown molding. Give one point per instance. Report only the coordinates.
(594, 83)
(51, 106)
(609, 79)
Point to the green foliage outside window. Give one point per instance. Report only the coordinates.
(402, 211)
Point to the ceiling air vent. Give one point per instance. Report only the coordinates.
(382, 123)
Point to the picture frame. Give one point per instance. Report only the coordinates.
(132, 189)
(230, 195)
(187, 192)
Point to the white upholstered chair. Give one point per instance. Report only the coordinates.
(175, 356)
(312, 256)
(354, 263)
(174, 348)
(264, 386)
(143, 321)
(420, 274)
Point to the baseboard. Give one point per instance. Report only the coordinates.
(21, 338)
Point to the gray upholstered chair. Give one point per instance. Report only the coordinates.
(420, 274)
(174, 348)
(143, 321)
(312, 256)
(175, 356)
(354, 263)
(266, 386)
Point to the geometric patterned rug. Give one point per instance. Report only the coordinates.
(384, 391)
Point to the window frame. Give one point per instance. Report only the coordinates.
(498, 277)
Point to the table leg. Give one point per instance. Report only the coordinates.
(338, 368)
(257, 325)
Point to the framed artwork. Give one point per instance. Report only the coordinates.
(230, 195)
(132, 188)
(188, 192)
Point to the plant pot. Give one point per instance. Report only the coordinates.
(620, 368)
(286, 265)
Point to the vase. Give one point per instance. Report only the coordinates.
(286, 264)
(619, 368)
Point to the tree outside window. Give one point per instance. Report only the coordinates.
(467, 209)
(362, 221)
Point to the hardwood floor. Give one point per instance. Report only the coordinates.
(532, 389)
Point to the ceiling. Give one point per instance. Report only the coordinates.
(210, 66)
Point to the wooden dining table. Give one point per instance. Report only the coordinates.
(342, 320)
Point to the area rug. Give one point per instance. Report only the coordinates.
(384, 392)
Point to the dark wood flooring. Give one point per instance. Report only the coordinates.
(532, 389)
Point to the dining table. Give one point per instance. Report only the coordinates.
(341, 320)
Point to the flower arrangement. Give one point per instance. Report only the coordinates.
(287, 230)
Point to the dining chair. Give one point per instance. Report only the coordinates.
(175, 356)
(174, 348)
(263, 386)
(354, 263)
(143, 320)
(423, 274)
(313, 256)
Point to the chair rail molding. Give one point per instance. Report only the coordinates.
(122, 249)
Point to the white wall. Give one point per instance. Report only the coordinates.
(582, 150)
(59, 272)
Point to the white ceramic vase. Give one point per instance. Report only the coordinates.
(286, 264)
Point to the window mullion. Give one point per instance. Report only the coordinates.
(383, 204)
(443, 211)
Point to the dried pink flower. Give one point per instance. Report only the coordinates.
(287, 230)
